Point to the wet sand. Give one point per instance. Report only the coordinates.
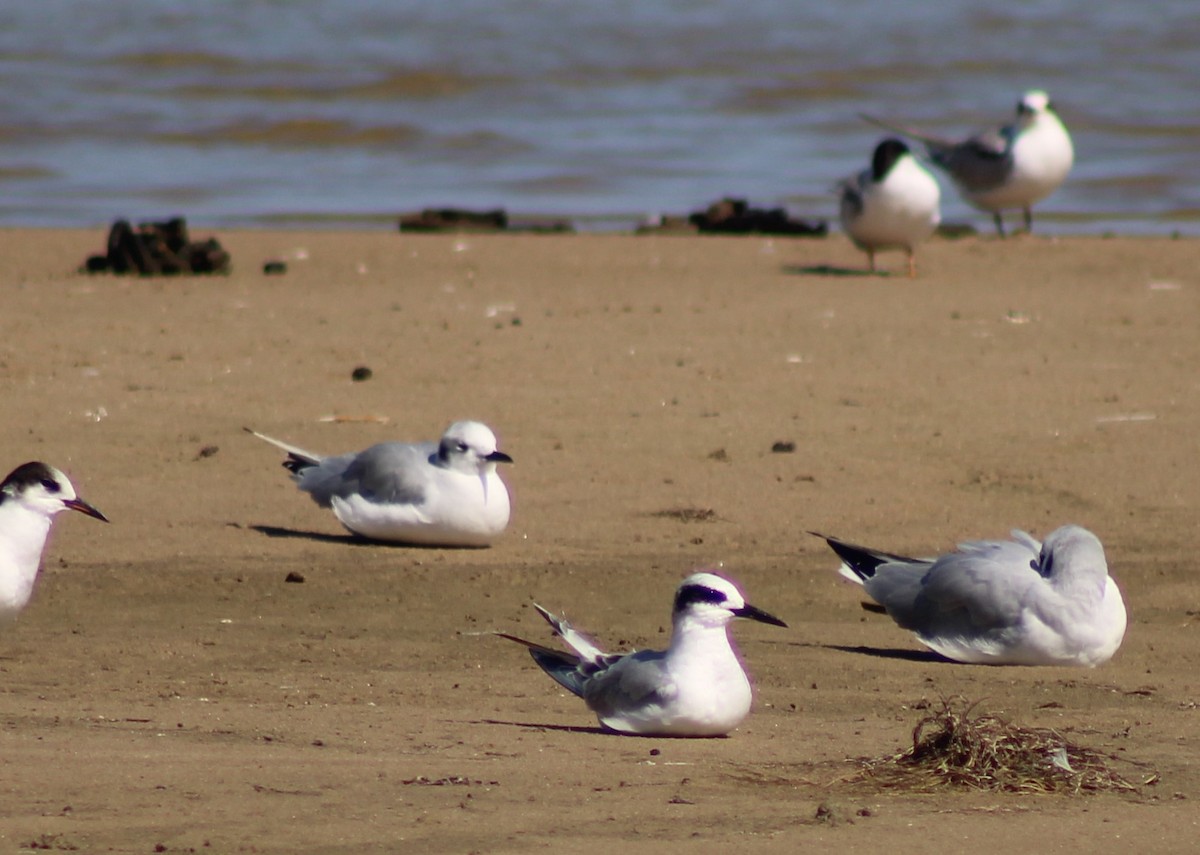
(167, 687)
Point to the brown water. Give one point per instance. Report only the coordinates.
(349, 112)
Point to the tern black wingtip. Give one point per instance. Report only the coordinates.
(861, 560)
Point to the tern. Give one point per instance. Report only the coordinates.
(892, 205)
(1009, 602)
(30, 497)
(696, 687)
(1010, 167)
(444, 493)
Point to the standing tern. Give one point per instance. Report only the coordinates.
(1010, 167)
(696, 687)
(892, 205)
(1011, 602)
(30, 497)
(443, 493)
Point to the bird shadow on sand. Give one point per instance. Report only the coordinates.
(833, 271)
(891, 653)
(350, 539)
(533, 725)
(596, 731)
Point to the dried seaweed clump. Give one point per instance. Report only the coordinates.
(687, 515)
(984, 752)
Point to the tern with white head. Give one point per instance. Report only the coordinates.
(444, 493)
(1009, 602)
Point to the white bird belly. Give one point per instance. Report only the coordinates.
(1087, 637)
(705, 704)
(899, 213)
(472, 514)
(1041, 161)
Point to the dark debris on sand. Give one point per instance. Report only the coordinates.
(735, 216)
(731, 216)
(158, 249)
(463, 220)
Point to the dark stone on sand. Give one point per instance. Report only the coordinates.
(361, 373)
(783, 447)
(735, 216)
(275, 268)
(158, 249)
(953, 231)
(463, 220)
(294, 577)
(454, 220)
(667, 224)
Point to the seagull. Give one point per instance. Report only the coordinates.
(1010, 602)
(444, 493)
(30, 497)
(1010, 167)
(892, 205)
(696, 687)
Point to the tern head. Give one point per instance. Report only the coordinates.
(1033, 103)
(710, 600)
(1072, 553)
(470, 447)
(886, 154)
(42, 489)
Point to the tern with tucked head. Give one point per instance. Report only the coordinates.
(30, 497)
(1012, 167)
(696, 687)
(892, 205)
(444, 493)
(1009, 602)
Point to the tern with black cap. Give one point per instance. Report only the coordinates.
(30, 497)
(696, 687)
(892, 205)
(1009, 168)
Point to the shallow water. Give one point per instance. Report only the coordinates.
(321, 112)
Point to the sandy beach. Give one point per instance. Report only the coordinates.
(168, 688)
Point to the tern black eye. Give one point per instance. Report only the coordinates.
(51, 486)
(1043, 564)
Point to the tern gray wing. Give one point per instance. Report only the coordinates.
(977, 164)
(634, 681)
(983, 586)
(388, 473)
(851, 191)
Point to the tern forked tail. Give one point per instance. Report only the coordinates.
(297, 458)
(569, 670)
